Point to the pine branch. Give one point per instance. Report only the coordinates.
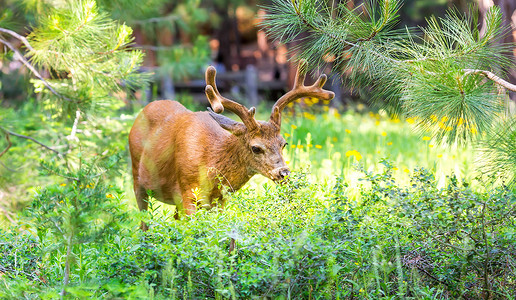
(8, 132)
(319, 30)
(9, 144)
(19, 37)
(9, 169)
(32, 69)
(493, 77)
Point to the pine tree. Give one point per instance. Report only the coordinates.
(444, 75)
(80, 60)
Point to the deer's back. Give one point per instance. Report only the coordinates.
(168, 142)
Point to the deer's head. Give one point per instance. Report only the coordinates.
(262, 140)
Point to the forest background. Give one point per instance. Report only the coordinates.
(374, 208)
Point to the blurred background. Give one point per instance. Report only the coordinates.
(180, 38)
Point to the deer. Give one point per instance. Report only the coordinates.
(187, 157)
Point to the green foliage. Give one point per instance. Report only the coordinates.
(80, 208)
(419, 76)
(498, 154)
(297, 241)
(426, 75)
(86, 72)
(183, 62)
(19, 255)
(471, 231)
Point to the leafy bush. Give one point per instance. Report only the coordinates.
(299, 240)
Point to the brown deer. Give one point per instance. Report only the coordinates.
(184, 157)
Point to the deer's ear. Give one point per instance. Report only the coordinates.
(236, 128)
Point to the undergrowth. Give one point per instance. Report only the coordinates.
(300, 240)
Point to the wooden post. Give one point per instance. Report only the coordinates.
(251, 85)
(167, 87)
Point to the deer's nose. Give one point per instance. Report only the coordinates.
(283, 173)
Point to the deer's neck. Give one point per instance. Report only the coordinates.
(232, 163)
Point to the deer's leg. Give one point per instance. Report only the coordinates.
(188, 204)
(141, 200)
(141, 197)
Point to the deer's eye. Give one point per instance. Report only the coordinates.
(256, 149)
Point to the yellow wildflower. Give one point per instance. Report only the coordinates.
(309, 116)
(431, 146)
(439, 155)
(334, 139)
(395, 169)
(62, 184)
(410, 120)
(354, 153)
(318, 146)
(287, 134)
(384, 133)
(389, 144)
(300, 146)
(377, 123)
(110, 196)
(293, 146)
(426, 138)
(434, 118)
(347, 130)
(406, 170)
(293, 126)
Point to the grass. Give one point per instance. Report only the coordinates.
(330, 144)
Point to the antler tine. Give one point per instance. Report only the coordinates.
(300, 90)
(301, 71)
(218, 102)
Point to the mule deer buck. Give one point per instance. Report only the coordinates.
(185, 156)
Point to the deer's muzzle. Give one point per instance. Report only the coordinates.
(280, 174)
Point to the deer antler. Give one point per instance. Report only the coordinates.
(218, 102)
(300, 90)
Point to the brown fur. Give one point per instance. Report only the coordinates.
(174, 151)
